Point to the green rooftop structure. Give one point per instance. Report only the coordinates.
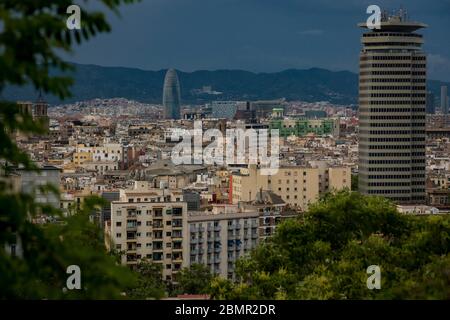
(302, 127)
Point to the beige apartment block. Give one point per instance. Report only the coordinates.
(81, 157)
(297, 186)
(150, 224)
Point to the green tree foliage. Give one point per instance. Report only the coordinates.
(325, 255)
(194, 279)
(32, 36)
(150, 284)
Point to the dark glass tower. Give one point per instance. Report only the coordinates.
(171, 95)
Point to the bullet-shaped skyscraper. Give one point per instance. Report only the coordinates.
(171, 95)
(392, 100)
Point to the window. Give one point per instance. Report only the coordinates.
(118, 235)
(118, 224)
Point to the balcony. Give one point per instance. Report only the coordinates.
(177, 259)
(238, 226)
(254, 235)
(177, 225)
(177, 236)
(217, 228)
(132, 225)
(131, 213)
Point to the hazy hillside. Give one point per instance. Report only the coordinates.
(314, 84)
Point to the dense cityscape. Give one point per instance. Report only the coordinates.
(395, 143)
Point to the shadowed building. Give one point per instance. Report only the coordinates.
(392, 100)
(171, 95)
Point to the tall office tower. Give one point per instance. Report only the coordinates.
(392, 99)
(444, 100)
(431, 103)
(171, 95)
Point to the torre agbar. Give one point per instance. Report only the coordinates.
(392, 100)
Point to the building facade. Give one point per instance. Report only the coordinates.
(392, 99)
(297, 186)
(152, 225)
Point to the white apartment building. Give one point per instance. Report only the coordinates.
(150, 224)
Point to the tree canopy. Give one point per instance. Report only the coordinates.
(325, 255)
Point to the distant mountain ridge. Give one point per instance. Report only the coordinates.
(315, 84)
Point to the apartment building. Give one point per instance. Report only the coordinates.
(332, 178)
(272, 211)
(105, 152)
(150, 224)
(297, 186)
(219, 237)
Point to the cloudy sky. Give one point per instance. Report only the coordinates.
(255, 35)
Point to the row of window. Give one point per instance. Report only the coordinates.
(398, 110)
(393, 139)
(394, 102)
(415, 58)
(391, 34)
(400, 44)
(362, 88)
(395, 147)
(392, 117)
(408, 132)
(393, 95)
(392, 65)
(392, 73)
(390, 176)
(398, 169)
(374, 80)
(388, 124)
(395, 154)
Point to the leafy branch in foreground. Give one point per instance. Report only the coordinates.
(32, 36)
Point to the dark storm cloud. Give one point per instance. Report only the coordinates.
(256, 35)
